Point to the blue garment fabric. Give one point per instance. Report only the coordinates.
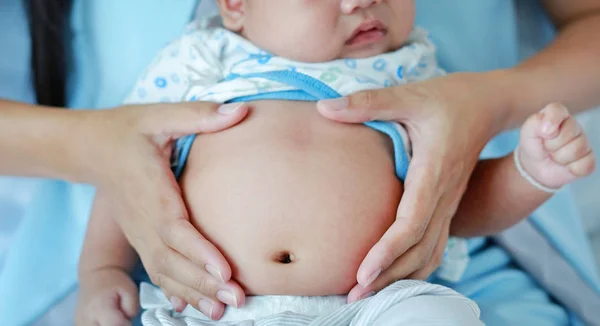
(15, 84)
(115, 40)
(15, 53)
(308, 89)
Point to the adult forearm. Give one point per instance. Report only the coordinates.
(34, 141)
(567, 71)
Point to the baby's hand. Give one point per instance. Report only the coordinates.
(554, 149)
(107, 297)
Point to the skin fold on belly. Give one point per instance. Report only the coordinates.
(294, 201)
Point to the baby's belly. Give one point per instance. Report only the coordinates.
(294, 201)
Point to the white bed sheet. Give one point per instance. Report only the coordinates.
(15, 194)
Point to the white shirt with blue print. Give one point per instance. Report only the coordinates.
(208, 64)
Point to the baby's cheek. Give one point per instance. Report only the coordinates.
(300, 30)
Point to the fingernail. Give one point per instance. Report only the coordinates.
(228, 298)
(548, 128)
(373, 277)
(230, 108)
(178, 304)
(206, 307)
(366, 295)
(335, 104)
(212, 270)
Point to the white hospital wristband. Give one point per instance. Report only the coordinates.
(528, 176)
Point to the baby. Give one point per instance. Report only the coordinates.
(295, 201)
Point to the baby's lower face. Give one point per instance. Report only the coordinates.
(294, 201)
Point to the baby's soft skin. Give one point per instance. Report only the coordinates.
(292, 200)
(295, 202)
(554, 148)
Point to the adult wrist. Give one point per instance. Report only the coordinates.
(522, 95)
(80, 147)
(502, 97)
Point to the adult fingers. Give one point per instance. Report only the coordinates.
(437, 255)
(188, 274)
(412, 221)
(177, 120)
(389, 104)
(180, 235)
(414, 259)
(168, 265)
(211, 308)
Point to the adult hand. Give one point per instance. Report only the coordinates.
(128, 150)
(449, 120)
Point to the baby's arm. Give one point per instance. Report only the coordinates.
(107, 295)
(497, 197)
(553, 150)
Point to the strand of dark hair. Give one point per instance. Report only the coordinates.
(49, 22)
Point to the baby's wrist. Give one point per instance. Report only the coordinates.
(527, 174)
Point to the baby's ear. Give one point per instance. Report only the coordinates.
(233, 13)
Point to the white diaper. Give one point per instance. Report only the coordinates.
(402, 303)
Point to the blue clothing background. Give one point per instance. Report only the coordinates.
(115, 40)
(15, 47)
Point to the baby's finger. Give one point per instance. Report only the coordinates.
(569, 130)
(531, 129)
(553, 117)
(209, 307)
(111, 314)
(572, 151)
(531, 137)
(129, 303)
(584, 166)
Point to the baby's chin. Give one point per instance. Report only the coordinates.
(318, 55)
(346, 52)
(366, 52)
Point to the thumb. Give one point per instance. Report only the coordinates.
(386, 104)
(178, 120)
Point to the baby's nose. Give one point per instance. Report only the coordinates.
(349, 6)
